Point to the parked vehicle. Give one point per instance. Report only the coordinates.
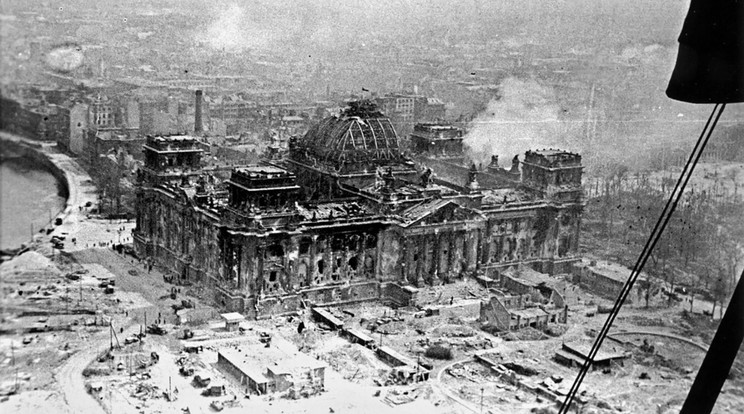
(214, 391)
(156, 330)
(201, 382)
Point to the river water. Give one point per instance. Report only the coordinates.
(29, 196)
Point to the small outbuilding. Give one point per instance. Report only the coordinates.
(232, 320)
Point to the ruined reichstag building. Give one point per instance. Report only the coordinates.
(346, 217)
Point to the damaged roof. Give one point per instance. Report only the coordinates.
(505, 196)
(327, 211)
(347, 138)
(430, 207)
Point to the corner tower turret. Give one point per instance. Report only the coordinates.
(554, 174)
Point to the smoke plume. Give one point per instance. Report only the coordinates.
(527, 116)
(235, 30)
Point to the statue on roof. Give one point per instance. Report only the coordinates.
(389, 179)
(494, 162)
(427, 177)
(515, 165)
(379, 178)
(473, 177)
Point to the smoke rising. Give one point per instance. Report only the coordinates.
(226, 32)
(527, 116)
(65, 58)
(234, 29)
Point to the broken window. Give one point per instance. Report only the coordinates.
(369, 264)
(321, 245)
(371, 242)
(564, 245)
(353, 263)
(276, 250)
(321, 266)
(305, 246)
(566, 220)
(353, 242)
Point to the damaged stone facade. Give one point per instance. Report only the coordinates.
(347, 217)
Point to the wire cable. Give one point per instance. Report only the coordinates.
(656, 234)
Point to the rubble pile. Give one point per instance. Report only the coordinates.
(472, 372)
(451, 330)
(144, 391)
(353, 362)
(525, 334)
(399, 397)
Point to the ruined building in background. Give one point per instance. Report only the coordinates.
(346, 217)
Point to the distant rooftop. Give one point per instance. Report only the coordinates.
(172, 143)
(437, 127)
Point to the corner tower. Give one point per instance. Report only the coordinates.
(553, 174)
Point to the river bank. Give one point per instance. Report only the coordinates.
(35, 189)
(82, 197)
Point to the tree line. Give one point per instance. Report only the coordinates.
(702, 247)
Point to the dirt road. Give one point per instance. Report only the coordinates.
(70, 375)
(444, 390)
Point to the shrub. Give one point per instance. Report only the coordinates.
(439, 352)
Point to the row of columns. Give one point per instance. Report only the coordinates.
(432, 256)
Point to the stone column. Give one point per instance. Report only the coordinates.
(424, 266)
(437, 259)
(311, 268)
(258, 276)
(291, 266)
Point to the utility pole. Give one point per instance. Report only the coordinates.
(481, 401)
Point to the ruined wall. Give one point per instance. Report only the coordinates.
(494, 313)
(545, 237)
(462, 310)
(283, 263)
(274, 306)
(177, 237)
(513, 238)
(234, 302)
(346, 293)
(560, 304)
(390, 256)
(201, 250)
(514, 301)
(601, 284)
(398, 295)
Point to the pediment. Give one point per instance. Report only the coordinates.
(440, 212)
